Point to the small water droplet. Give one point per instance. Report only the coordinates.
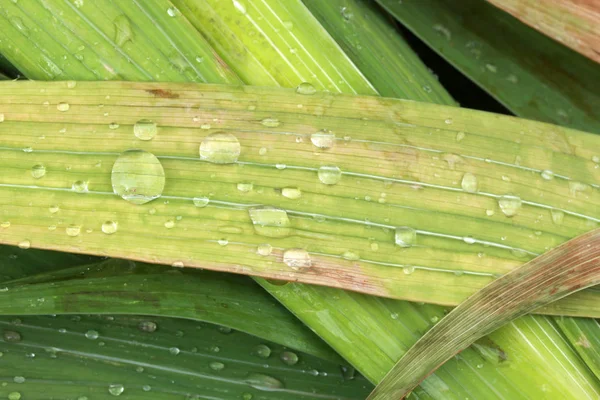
(263, 382)
(11, 336)
(289, 358)
(324, 139)
(306, 88)
(348, 372)
(146, 388)
(264, 249)
(113, 126)
(145, 129)
(270, 221)
(73, 230)
(245, 187)
(223, 242)
(1, 117)
(27, 150)
(557, 216)
(448, 121)
(174, 350)
(468, 240)
(350, 255)
(169, 224)
(24, 244)
(147, 326)
(80, 186)
(491, 68)
(510, 205)
(405, 236)
(220, 148)
(262, 151)
(92, 334)
(38, 171)
(116, 389)
(63, 107)
(408, 270)
(14, 396)
(547, 175)
(460, 136)
(109, 227)
(247, 396)
(329, 174)
(201, 202)
(262, 350)
(123, 31)
(297, 258)
(216, 366)
(270, 122)
(19, 379)
(469, 183)
(177, 264)
(173, 11)
(138, 176)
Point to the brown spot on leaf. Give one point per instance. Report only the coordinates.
(163, 93)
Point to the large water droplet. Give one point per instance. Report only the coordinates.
(330, 175)
(263, 382)
(145, 129)
(116, 389)
(123, 31)
(220, 148)
(262, 350)
(19, 379)
(324, 139)
(297, 258)
(264, 249)
(92, 334)
(201, 202)
(14, 396)
(289, 358)
(63, 106)
(405, 236)
(138, 176)
(174, 350)
(147, 326)
(24, 244)
(73, 230)
(510, 205)
(469, 183)
(109, 227)
(291, 193)
(306, 88)
(38, 171)
(270, 221)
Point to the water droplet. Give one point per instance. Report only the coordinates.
(177, 264)
(245, 187)
(264, 249)
(263, 382)
(270, 221)
(173, 11)
(20, 25)
(262, 350)
(138, 176)
(306, 88)
(469, 183)
(491, 68)
(113, 126)
(489, 213)
(350, 255)
(297, 258)
(324, 139)
(63, 107)
(247, 396)
(92, 334)
(291, 193)
(547, 175)
(289, 358)
(201, 202)
(116, 389)
(330, 175)
(19, 379)
(468, 240)
(460, 136)
(147, 326)
(270, 122)
(38, 171)
(510, 205)
(169, 224)
(11, 336)
(14, 396)
(595, 159)
(408, 270)
(434, 319)
(427, 89)
(216, 366)
(223, 242)
(174, 350)
(73, 230)
(80, 186)
(145, 129)
(5, 224)
(109, 227)
(405, 236)
(123, 31)
(215, 349)
(576, 187)
(448, 121)
(220, 148)
(348, 372)
(1, 117)
(262, 151)
(239, 6)
(452, 159)
(24, 244)
(557, 216)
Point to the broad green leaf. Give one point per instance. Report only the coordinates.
(100, 357)
(584, 334)
(375, 46)
(125, 287)
(275, 42)
(104, 39)
(573, 24)
(320, 237)
(532, 75)
(570, 267)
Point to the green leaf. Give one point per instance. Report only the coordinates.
(584, 334)
(570, 267)
(532, 75)
(462, 244)
(100, 357)
(124, 287)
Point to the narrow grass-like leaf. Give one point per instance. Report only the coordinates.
(584, 333)
(375, 46)
(530, 74)
(124, 287)
(336, 241)
(572, 23)
(568, 268)
(100, 357)
(275, 42)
